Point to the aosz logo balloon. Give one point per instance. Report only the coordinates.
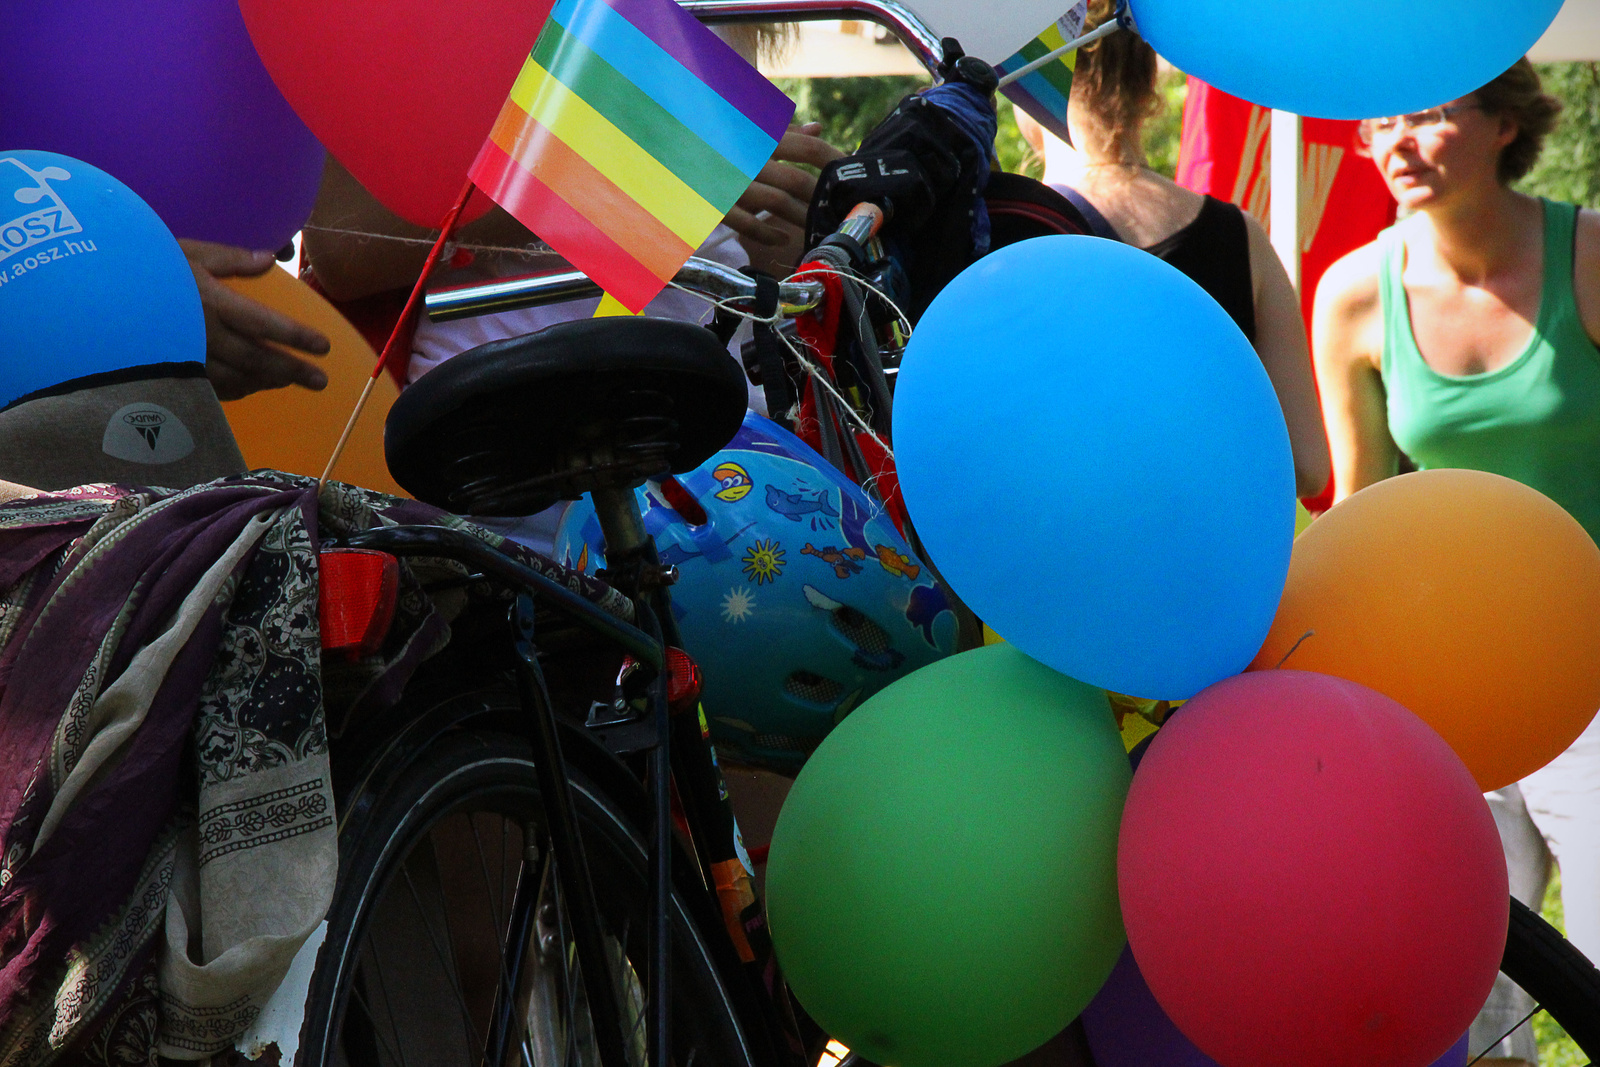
(42, 214)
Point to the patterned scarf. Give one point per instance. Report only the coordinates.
(167, 832)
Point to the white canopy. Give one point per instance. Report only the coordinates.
(1575, 34)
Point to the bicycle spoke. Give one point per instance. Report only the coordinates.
(393, 1050)
(383, 989)
(445, 962)
(483, 865)
(1537, 1008)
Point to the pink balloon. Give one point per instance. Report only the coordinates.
(1309, 875)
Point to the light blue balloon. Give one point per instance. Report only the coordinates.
(1095, 460)
(91, 281)
(1350, 59)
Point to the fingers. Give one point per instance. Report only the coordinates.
(258, 322)
(239, 366)
(802, 145)
(781, 190)
(225, 261)
(748, 225)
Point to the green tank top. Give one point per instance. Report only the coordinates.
(1536, 419)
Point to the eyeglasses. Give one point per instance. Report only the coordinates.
(1391, 125)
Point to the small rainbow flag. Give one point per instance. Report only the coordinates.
(630, 132)
(1043, 94)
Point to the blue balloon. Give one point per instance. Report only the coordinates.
(1096, 462)
(1354, 59)
(91, 281)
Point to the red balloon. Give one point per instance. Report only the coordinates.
(1309, 875)
(402, 92)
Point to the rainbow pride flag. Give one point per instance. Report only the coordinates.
(630, 132)
(1043, 94)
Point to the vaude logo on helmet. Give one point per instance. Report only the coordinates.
(146, 433)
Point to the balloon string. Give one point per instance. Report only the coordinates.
(413, 303)
(1292, 651)
(533, 248)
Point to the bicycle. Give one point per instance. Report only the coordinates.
(591, 931)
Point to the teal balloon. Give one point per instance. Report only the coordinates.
(1095, 460)
(1353, 59)
(942, 881)
(91, 281)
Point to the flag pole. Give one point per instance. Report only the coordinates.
(1104, 30)
(446, 229)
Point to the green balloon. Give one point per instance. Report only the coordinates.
(942, 885)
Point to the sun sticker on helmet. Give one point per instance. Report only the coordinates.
(734, 480)
(764, 561)
(738, 604)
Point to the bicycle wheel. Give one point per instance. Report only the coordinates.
(1558, 977)
(412, 973)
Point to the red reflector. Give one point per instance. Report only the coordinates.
(683, 680)
(682, 502)
(356, 599)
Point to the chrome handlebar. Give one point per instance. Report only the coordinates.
(706, 277)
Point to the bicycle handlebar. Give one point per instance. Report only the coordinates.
(704, 276)
(718, 281)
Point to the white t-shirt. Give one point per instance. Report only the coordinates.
(436, 342)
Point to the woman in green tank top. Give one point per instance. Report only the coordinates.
(1465, 336)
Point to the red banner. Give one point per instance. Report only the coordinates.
(1226, 151)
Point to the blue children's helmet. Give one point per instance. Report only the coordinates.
(796, 593)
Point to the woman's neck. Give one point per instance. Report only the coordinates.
(1099, 154)
(1482, 235)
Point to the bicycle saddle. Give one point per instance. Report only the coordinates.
(511, 427)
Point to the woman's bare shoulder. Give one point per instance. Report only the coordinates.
(1350, 284)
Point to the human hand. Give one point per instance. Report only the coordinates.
(243, 337)
(783, 192)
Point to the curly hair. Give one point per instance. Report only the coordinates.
(1116, 74)
(1518, 95)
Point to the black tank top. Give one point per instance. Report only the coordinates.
(1213, 250)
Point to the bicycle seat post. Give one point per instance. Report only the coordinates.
(629, 555)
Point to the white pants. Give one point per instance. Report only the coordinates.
(1553, 814)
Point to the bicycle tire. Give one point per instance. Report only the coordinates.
(397, 829)
(1557, 976)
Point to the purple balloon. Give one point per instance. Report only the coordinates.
(1127, 1028)
(170, 97)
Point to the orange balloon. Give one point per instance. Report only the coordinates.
(295, 429)
(1469, 598)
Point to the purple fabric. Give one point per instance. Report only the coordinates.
(119, 819)
(681, 36)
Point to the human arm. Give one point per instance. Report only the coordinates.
(1586, 273)
(245, 340)
(10, 491)
(1281, 344)
(1347, 339)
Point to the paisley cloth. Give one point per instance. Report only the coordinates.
(167, 829)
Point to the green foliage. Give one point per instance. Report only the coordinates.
(1569, 169)
(1163, 133)
(848, 108)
